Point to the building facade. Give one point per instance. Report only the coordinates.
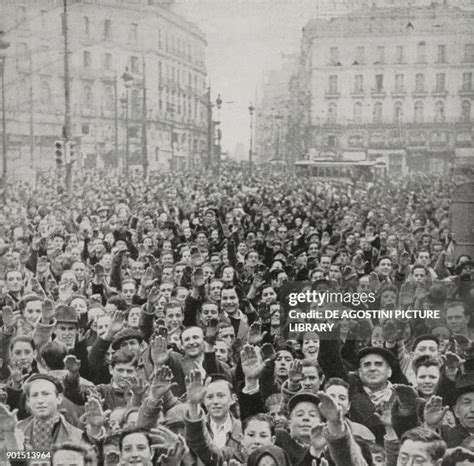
(393, 85)
(159, 51)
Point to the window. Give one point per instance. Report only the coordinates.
(467, 81)
(400, 54)
(160, 72)
(334, 55)
(87, 96)
(135, 103)
(108, 61)
(399, 83)
(45, 96)
(421, 52)
(360, 55)
(108, 99)
(333, 84)
(160, 43)
(21, 14)
(419, 109)
(440, 82)
(86, 24)
(378, 112)
(358, 112)
(469, 53)
(133, 37)
(441, 53)
(107, 29)
(43, 18)
(380, 55)
(439, 112)
(379, 83)
(86, 59)
(466, 111)
(22, 50)
(358, 83)
(398, 112)
(332, 113)
(420, 82)
(134, 68)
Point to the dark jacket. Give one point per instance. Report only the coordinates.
(279, 455)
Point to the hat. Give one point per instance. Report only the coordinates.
(47, 377)
(66, 314)
(126, 334)
(102, 208)
(300, 398)
(437, 294)
(459, 269)
(416, 230)
(465, 384)
(386, 354)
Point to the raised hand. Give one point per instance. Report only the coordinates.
(42, 266)
(195, 390)
(162, 438)
(329, 409)
(197, 278)
(434, 411)
(65, 292)
(407, 293)
(99, 273)
(72, 364)
(211, 331)
(406, 396)
(295, 372)
(159, 351)
(9, 318)
(464, 342)
(16, 376)
(47, 311)
(148, 279)
(137, 386)
(161, 383)
(8, 420)
(374, 281)
(94, 415)
(385, 414)
(255, 335)
(36, 287)
(393, 330)
(252, 364)
(117, 323)
(453, 361)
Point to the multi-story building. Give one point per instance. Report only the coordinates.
(161, 52)
(391, 84)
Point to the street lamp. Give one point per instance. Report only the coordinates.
(3, 46)
(251, 110)
(127, 79)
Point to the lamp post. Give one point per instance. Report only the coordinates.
(251, 110)
(3, 46)
(218, 135)
(127, 79)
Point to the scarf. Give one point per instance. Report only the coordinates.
(378, 397)
(42, 435)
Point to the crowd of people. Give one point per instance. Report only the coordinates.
(145, 322)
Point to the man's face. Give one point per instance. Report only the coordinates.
(229, 301)
(385, 267)
(136, 450)
(416, 453)
(228, 335)
(208, 312)
(256, 435)
(215, 290)
(167, 259)
(313, 249)
(32, 312)
(79, 305)
(103, 324)
(123, 373)
(128, 291)
(456, 319)
(68, 457)
(311, 346)
(79, 270)
(311, 380)
(137, 269)
(303, 419)
(282, 363)
(335, 273)
(464, 410)
(426, 347)
(218, 399)
(134, 317)
(340, 395)
(130, 344)
(66, 333)
(276, 413)
(269, 295)
(22, 355)
(252, 259)
(43, 399)
(423, 258)
(325, 263)
(193, 341)
(374, 371)
(419, 274)
(228, 275)
(427, 379)
(173, 317)
(166, 289)
(222, 351)
(178, 273)
(14, 282)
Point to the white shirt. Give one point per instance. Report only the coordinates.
(219, 432)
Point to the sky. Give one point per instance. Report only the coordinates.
(245, 39)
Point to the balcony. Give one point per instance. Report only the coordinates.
(439, 93)
(358, 94)
(419, 93)
(399, 92)
(466, 92)
(378, 93)
(332, 94)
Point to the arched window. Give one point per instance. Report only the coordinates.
(45, 97)
(421, 55)
(358, 112)
(398, 112)
(87, 96)
(439, 112)
(466, 111)
(419, 108)
(135, 103)
(108, 99)
(332, 112)
(378, 112)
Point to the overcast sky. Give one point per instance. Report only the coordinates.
(245, 38)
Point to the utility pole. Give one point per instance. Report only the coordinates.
(67, 97)
(210, 129)
(32, 123)
(116, 119)
(144, 125)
